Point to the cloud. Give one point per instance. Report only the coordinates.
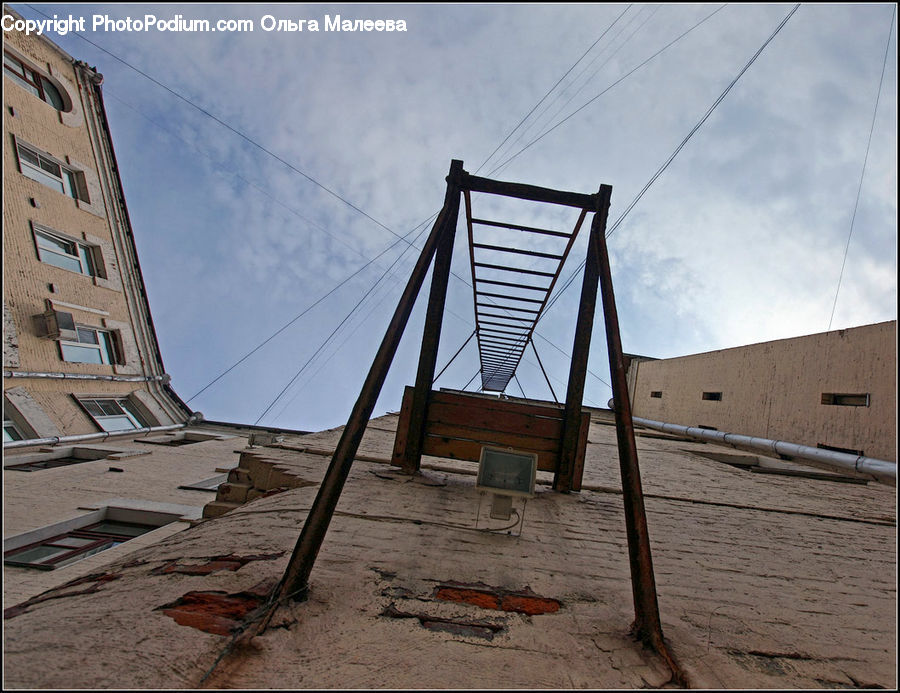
(740, 240)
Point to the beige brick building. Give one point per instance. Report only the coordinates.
(79, 350)
(835, 390)
(97, 456)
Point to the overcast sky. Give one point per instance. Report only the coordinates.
(740, 240)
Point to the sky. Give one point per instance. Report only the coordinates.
(263, 168)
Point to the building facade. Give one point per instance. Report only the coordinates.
(97, 454)
(79, 350)
(835, 390)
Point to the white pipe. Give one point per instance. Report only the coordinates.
(882, 470)
(83, 437)
(165, 378)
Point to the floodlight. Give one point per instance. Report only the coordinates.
(507, 472)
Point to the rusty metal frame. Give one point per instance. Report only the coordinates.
(494, 379)
(646, 626)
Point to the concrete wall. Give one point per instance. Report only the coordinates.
(775, 389)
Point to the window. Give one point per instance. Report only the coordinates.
(211, 484)
(857, 400)
(61, 457)
(113, 414)
(11, 432)
(65, 253)
(32, 81)
(74, 545)
(713, 396)
(90, 346)
(46, 170)
(656, 394)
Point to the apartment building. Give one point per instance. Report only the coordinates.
(79, 350)
(98, 458)
(833, 390)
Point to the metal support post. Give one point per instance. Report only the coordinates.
(647, 626)
(295, 582)
(562, 480)
(434, 317)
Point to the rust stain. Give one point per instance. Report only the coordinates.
(487, 597)
(524, 604)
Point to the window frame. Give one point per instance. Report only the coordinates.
(85, 254)
(847, 399)
(42, 170)
(129, 411)
(31, 80)
(94, 538)
(105, 346)
(10, 425)
(210, 485)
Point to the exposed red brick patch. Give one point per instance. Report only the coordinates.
(531, 605)
(212, 612)
(487, 597)
(215, 611)
(484, 599)
(213, 564)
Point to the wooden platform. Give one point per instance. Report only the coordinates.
(458, 425)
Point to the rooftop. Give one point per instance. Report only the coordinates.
(764, 581)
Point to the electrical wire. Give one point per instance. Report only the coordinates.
(333, 332)
(537, 119)
(865, 161)
(617, 82)
(678, 149)
(298, 316)
(527, 115)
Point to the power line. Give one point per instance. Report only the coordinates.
(333, 332)
(498, 169)
(865, 161)
(237, 132)
(297, 317)
(527, 115)
(618, 81)
(678, 149)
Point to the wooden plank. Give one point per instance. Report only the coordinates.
(471, 450)
(498, 405)
(399, 454)
(512, 422)
(496, 437)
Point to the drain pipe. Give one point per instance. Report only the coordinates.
(164, 378)
(85, 437)
(882, 470)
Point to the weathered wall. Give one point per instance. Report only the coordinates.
(774, 389)
(148, 473)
